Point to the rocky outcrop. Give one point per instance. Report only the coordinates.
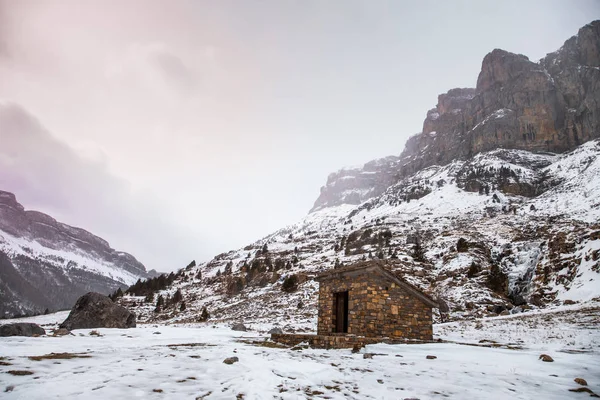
(355, 185)
(548, 106)
(94, 310)
(21, 329)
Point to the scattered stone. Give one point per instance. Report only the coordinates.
(61, 332)
(94, 310)
(505, 312)
(380, 381)
(580, 381)
(95, 333)
(156, 333)
(276, 331)
(431, 357)
(569, 302)
(157, 390)
(239, 327)
(546, 358)
(356, 348)
(19, 372)
(9, 388)
(231, 360)
(368, 355)
(21, 329)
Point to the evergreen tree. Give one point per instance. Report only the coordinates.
(204, 316)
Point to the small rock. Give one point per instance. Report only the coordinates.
(231, 360)
(356, 348)
(156, 333)
(505, 312)
(276, 331)
(580, 381)
(431, 357)
(61, 332)
(569, 302)
(368, 355)
(157, 390)
(21, 329)
(9, 388)
(239, 327)
(546, 358)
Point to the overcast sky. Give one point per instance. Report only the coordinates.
(177, 130)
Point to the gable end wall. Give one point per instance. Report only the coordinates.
(376, 307)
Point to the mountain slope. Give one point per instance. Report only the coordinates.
(47, 264)
(493, 208)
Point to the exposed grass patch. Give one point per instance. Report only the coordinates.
(173, 346)
(58, 356)
(264, 343)
(19, 372)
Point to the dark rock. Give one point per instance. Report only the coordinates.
(21, 329)
(462, 245)
(94, 310)
(239, 327)
(231, 360)
(61, 332)
(580, 381)
(431, 357)
(277, 331)
(546, 358)
(367, 355)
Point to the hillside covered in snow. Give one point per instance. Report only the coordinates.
(493, 208)
(45, 264)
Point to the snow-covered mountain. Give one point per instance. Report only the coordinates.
(493, 207)
(48, 264)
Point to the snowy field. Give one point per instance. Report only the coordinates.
(186, 362)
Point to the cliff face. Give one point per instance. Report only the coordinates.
(549, 106)
(48, 264)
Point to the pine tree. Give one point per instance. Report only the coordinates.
(177, 297)
(204, 316)
(159, 304)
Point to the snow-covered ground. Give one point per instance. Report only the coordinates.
(186, 361)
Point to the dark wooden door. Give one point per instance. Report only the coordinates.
(341, 312)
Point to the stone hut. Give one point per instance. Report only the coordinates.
(366, 299)
(365, 303)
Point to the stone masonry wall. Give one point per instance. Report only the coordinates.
(376, 308)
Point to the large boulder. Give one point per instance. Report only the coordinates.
(94, 310)
(21, 329)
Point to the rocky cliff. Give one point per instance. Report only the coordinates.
(548, 106)
(47, 264)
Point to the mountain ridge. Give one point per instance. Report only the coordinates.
(46, 264)
(549, 106)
